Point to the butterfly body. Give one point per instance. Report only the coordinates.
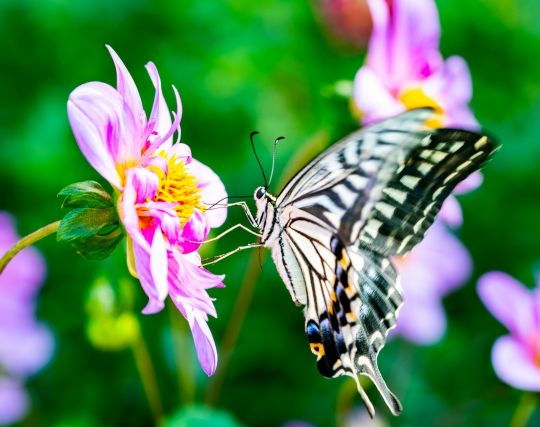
(335, 225)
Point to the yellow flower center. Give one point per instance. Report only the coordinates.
(177, 185)
(415, 97)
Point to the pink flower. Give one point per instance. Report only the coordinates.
(162, 194)
(437, 266)
(515, 357)
(25, 345)
(404, 68)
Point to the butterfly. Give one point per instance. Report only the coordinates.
(335, 226)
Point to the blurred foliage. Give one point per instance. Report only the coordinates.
(239, 66)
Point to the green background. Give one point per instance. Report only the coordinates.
(240, 66)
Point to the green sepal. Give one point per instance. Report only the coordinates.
(86, 194)
(92, 226)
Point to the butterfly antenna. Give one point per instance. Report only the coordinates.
(279, 138)
(251, 135)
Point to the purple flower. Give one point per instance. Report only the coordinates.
(162, 193)
(404, 68)
(515, 357)
(437, 266)
(25, 345)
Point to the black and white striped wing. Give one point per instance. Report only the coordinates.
(350, 303)
(372, 195)
(383, 185)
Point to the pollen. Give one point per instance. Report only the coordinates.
(177, 185)
(415, 97)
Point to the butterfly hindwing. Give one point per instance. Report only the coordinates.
(351, 302)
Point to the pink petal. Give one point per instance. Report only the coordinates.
(158, 265)
(472, 182)
(25, 348)
(212, 190)
(14, 402)
(373, 98)
(93, 114)
(160, 119)
(451, 212)
(144, 272)
(195, 230)
(405, 39)
(514, 365)
(414, 39)
(205, 345)
(509, 302)
(421, 320)
(127, 89)
(128, 212)
(451, 86)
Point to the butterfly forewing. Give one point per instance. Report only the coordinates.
(332, 228)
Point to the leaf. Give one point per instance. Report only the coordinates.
(201, 416)
(86, 194)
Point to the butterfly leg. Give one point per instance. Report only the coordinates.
(218, 258)
(227, 231)
(248, 213)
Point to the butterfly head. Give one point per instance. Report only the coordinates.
(265, 206)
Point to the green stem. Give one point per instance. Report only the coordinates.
(27, 241)
(183, 355)
(148, 378)
(345, 401)
(235, 325)
(524, 410)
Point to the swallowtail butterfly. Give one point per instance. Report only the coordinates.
(335, 225)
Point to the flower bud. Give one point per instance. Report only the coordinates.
(92, 225)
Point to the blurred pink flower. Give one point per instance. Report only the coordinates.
(515, 357)
(404, 68)
(25, 345)
(162, 194)
(437, 266)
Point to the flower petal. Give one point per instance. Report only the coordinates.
(212, 190)
(421, 320)
(158, 265)
(451, 212)
(514, 365)
(510, 302)
(160, 123)
(144, 273)
(205, 345)
(373, 98)
(14, 401)
(451, 86)
(195, 230)
(93, 115)
(472, 182)
(127, 89)
(404, 45)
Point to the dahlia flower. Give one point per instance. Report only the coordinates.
(161, 194)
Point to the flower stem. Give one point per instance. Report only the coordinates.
(148, 378)
(182, 355)
(27, 241)
(235, 325)
(524, 410)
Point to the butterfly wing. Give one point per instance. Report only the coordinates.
(369, 196)
(350, 303)
(383, 185)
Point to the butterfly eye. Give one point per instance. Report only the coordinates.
(260, 192)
